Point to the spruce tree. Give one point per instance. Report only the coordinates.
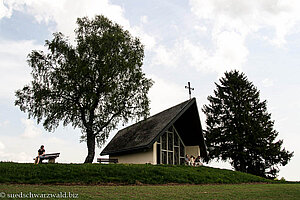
(240, 130)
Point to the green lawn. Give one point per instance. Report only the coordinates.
(121, 181)
(27, 173)
(224, 191)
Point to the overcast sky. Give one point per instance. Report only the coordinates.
(196, 41)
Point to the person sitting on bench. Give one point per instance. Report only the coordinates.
(198, 161)
(187, 160)
(41, 155)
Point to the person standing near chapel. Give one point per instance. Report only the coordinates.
(41, 155)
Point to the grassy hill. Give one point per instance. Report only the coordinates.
(27, 173)
(131, 192)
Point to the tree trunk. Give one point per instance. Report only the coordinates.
(91, 147)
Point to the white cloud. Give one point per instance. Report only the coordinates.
(267, 82)
(166, 57)
(65, 12)
(164, 94)
(13, 157)
(20, 149)
(2, 146)
(144, 19)
(249, 16)
(31, 131)
(146, 39)
(200, 28)
(229, 54)
(4, 11)
(2, 124)
(14, 71)
(232, 22)
(195, 54)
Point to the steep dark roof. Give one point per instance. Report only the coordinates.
(143, 134)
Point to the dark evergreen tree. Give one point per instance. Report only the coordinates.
(240, 130)
(92, 85)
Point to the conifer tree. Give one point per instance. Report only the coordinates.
(240, 130)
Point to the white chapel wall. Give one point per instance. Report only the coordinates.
(136, 158)
(154, 153)
(192, 150)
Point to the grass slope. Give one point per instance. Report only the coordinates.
(222, 191)
(27, 173)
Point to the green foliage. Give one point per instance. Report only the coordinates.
(119, 173)
(240, 129)
(282, 179)
(92, 85)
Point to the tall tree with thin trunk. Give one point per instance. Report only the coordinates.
(240, 130)
(93, 84)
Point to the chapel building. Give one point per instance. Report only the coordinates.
(164, 138)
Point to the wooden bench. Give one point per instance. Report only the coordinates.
(50, 157)
(107, 160)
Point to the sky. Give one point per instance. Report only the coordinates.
(192, 40)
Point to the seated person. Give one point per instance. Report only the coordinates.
(198, 161)
(192, 161)
(187, 159)
(41, 155)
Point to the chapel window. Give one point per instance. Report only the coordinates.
(170, 148)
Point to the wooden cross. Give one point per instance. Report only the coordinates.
(189, 87)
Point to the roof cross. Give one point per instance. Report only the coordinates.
(189, 87)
